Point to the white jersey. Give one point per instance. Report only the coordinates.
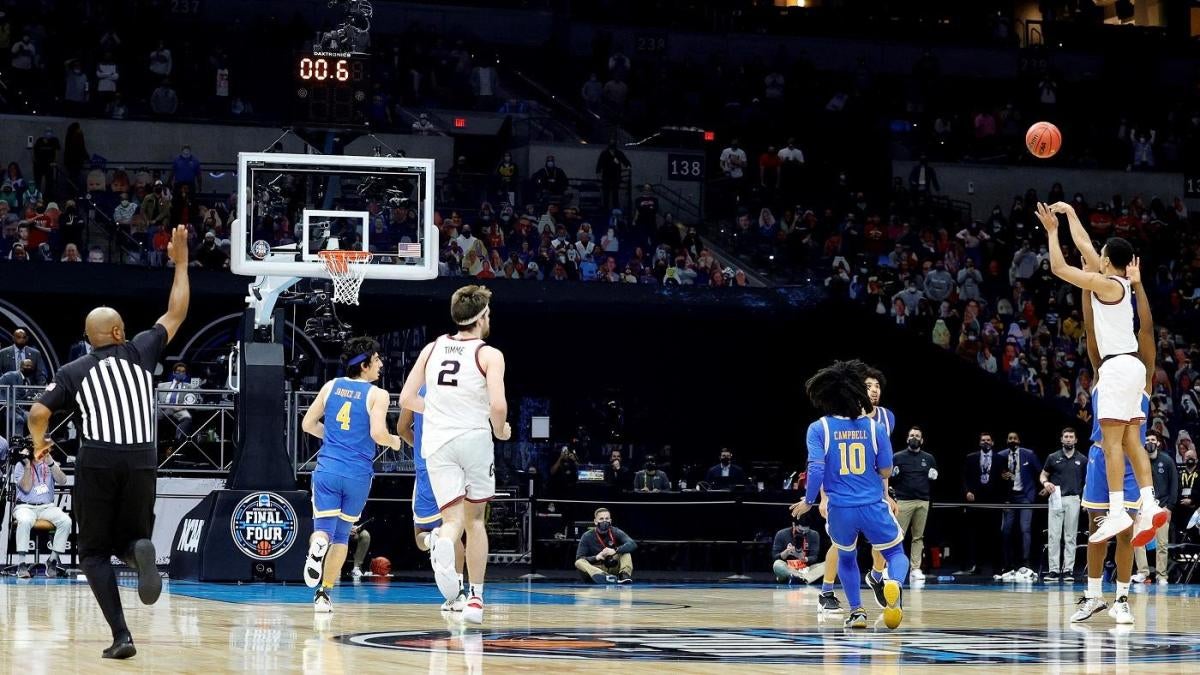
(456, 395)
(1114, 323)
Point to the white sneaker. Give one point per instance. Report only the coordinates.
(314, 564)
(1162, 581)
(915, 574)
(457, 604)
(1120, 611)
(1109, 526)
(1088, 607)
(321, 602)
(356, 573)
(1149, 518)
(441, 556)
(1138, 578)
(473, 612)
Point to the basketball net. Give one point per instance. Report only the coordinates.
(346, 269)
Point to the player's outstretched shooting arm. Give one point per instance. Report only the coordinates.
(1108, 290)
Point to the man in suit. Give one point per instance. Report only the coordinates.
(1019, 480)
(726, 474)
(981, 476)
(23, 377)
(12, 356)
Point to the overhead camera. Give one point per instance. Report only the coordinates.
(351, 34)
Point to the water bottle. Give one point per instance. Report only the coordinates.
(682, 485)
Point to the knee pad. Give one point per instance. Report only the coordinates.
(341, 531)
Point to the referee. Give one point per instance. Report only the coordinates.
(115, 476)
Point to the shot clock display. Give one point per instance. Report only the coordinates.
(331, 88)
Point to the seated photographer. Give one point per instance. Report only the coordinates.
(796, 553)
(605, 550)
(651, 479)
(35, 501)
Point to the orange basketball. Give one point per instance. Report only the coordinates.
(264, 547)
(1043, 140)
(381, 566)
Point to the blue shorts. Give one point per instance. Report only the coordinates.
(873, 521)
(338, 496)
(1095, 486)
(426, 514)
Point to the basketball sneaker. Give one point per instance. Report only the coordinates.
(314, 564)
(356, 574)
(1120, 611)
(1051, 577)
(1088, 607)
(1162, 581)
(857, 619)
(1150, 518)
(321, 602)
(877, 588)
(1110, 525)
(457, 604)
(893, 612)
(441, 556)
(473, 612)
(828, 604)
(915, 575)
(1139, 578)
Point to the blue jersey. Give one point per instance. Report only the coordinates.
(885, 418)
(1096, 436)
(426, 514)
(851, 453)
(348, 449)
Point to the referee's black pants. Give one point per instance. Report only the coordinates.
(114, 499)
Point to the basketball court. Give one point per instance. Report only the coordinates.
(54, 625)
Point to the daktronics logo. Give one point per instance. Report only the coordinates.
(263, 525)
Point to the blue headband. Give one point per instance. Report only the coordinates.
(358, 359)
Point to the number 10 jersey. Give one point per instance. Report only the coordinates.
(456, 395)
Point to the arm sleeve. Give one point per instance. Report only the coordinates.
(627, 544)
(816, 462)
(150, 345)
(18, 472)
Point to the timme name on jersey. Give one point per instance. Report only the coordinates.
(456, 397)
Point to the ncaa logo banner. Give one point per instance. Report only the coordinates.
(263, 526)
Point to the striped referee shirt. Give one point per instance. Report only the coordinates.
(113, 390)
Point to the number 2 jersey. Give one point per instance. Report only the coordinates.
(848, 453)
(348, 449)
(456, 395)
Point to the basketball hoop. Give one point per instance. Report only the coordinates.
(347, 269)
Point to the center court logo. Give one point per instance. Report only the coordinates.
(829, 646)
(263, 525)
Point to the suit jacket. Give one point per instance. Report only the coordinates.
(718, 482)
(1030, 468)
(8, 361)
(973, 478)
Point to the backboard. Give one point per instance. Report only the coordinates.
(293, 206)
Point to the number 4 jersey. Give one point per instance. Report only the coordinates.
(456, 395)
(348, 449)
(852, 452)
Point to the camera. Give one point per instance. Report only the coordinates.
(20, 448)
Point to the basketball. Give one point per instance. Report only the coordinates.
(381, 566)
(1043, 140)
(264, 547)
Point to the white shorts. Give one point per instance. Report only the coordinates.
(1119, 390)
(463, 467)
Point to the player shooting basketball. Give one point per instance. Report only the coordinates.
(1121, 375)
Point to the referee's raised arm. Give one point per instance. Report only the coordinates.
(181, 291)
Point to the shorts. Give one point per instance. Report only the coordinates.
(874, 521)
(463, 468)
(1119, 389)
(1095, 486)
(338, 496)
(426, 514)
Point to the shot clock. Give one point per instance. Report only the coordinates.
(331, 88)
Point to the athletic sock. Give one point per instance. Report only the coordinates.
(425, 539)
(1095, 588)
(1116, 503)
(1122, 589)
(876, 575)
(477, 590)
(327, 584)
(1148, 495)
(826, 587)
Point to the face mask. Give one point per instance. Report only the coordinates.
(1013, 445)
(187, 153)
(549, 165)
(725, 461)
(914, 444)
(650, 466)
(1069, 447)
(603, 527)
(1152, 448)
(27, 372)
(986, 447)
(180, 377)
